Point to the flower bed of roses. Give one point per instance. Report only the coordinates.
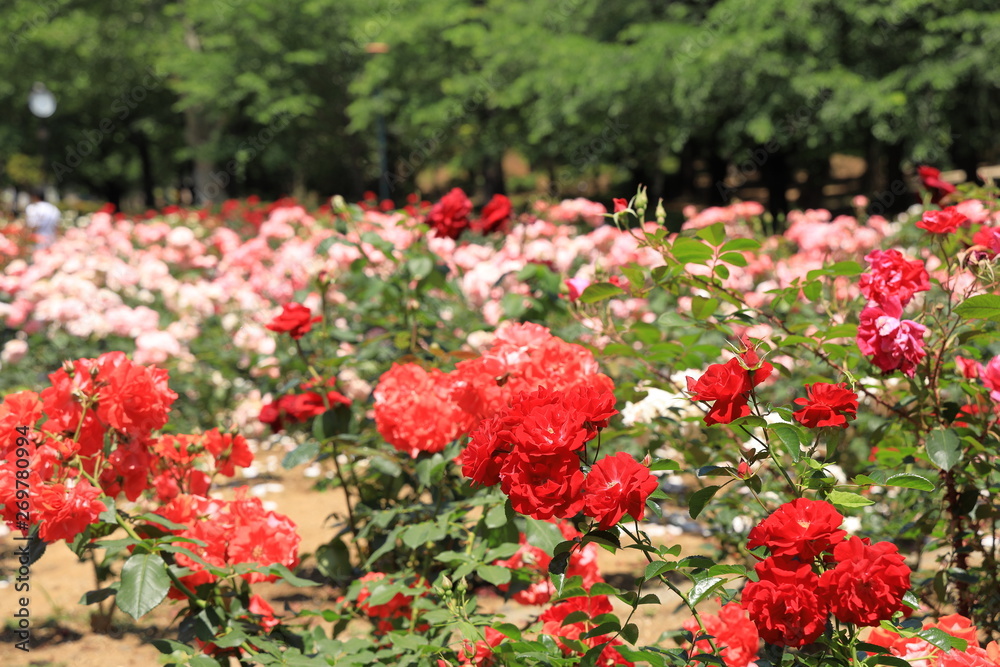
(529, 416)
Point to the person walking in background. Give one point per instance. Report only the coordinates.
(43, 219)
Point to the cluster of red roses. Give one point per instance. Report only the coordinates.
(813, 571)
(889, 285)
(734, 635)
(569, 635)
(295, 319)
(918, 651)
(449, 217)
(534, 450)
(232, 532)
(92, 434)
(418, 410)
(582, 563)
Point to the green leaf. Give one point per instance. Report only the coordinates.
(509, 629)
(847, 499)
(714, 234)
(304, 453)
(93, 597)
(333, 422)
(144, 584)
(703, 308)
(495, 574)
(496, 517)
(542, 534)
(333, 559)
(944, 448)
(909, 480)
(981, 307)
(664, 464)
(699, 499)
(691, 251)
(599, 292)
(630, 633)
(740, 244)
(703, 589)
(734, 258)
(789, 437)
(942, 639)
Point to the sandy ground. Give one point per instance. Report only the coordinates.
(62, 637)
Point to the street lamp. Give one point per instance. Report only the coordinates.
(41, 101)
(42, 104)
(373, 49)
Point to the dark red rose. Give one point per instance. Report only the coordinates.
(450, 216)
(295, 319)
(495, 215)
(826, 405)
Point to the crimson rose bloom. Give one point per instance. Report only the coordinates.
(615, 486)
(868, 584)
(495, 215)
(620, 204)
(729, 385)
(543, 486)
(930, 177)
(945, 221)
(784, 605)
(826, 405)
(801, 528)
(892, 343)
(296, 320)
(893, 279)
(450, 216)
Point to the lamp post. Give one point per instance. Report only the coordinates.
(42, 104)
(376, 48)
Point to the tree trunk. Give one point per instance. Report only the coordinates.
(493, 178)
(775, 173)
(141, 142)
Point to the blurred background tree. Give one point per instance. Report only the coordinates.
(793, 103)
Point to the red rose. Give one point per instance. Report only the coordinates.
(735, 635)
(296, 320)
(801, 528)
(728, 385)
(132, 398)
(450, 216)
(617, 485)
(931, 179)
(783, 604)
(971, 657)
(414, 410)
(892, 343)
(65, 513)
(495, 215)
(942, 222)
(826, 405)
(620, 204)
(892, 279)
(544, 486)
(868, 584)
(959, 626)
